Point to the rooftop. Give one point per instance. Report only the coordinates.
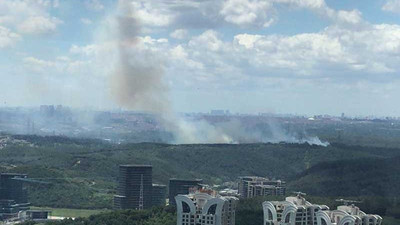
(176, 179)
(136, 165)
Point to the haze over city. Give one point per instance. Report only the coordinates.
(280, 56)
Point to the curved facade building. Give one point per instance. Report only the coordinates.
(298, 211)
(203, 208)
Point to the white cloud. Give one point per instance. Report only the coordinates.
(39, 25)
(61, 65)
(29, 16)
(88, 50)
(248, 12)
(208, 39)
(392, 6)
(152, 16)
(320, 7)
(179, 34)
(7, 38)
(247, 40)
(94, 5)
(349, 17)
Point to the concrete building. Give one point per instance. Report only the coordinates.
(13, 195)
(134, 187)
(181, 187)
(252, 186)
(204, 207)
(159, 194)
(347, 215)
(297, 211)
(12, 187)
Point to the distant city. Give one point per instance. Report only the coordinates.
(131, 127)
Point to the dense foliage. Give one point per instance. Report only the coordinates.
(83, 173)
(363, 176)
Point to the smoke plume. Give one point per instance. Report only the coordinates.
(137, 78)
(137, 84)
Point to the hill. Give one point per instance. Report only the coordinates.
(83, 172)
(354, 177)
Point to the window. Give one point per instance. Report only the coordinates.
(287, 219)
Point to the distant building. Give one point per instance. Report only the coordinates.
(37, 215)
(181, 187)
(13, 195)
(252, 186)
(229, 192)
(205, 208)
(135, 187)
(159, 194)
(47, 110)
(297, 211)
(219, 112)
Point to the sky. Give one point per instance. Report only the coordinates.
(247, 56)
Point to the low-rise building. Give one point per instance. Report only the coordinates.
(252, 186)
(205, 207)
(181, 187)
(159, 194)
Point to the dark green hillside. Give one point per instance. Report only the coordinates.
(83, 172)
(355, 177)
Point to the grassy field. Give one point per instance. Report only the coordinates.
(63, 212)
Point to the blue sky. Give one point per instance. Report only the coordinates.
(250, 56)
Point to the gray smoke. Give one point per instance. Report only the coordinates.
(137, 84)
(137, 80)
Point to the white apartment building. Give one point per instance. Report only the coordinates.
(347, 215)
(205, 207)
(298, 211)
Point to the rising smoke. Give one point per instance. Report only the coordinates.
(137, 84)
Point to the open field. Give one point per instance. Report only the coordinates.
(73, 213)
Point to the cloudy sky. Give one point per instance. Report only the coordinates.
(280, 56)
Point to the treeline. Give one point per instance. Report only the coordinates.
(83, 173)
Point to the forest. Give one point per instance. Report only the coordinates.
(82, 173)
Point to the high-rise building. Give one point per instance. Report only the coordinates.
(134, 187)
(13, 194)
(181, 187)
(12, 187)
(297, 211)
(159, 194)
(251, 186)
(204, 207)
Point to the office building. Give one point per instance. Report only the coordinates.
(12, 187)
(297, 211)
(13, 195)
(204, 207)
(134, 187)
(181, 187)
(251, 186)
(159, 194)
